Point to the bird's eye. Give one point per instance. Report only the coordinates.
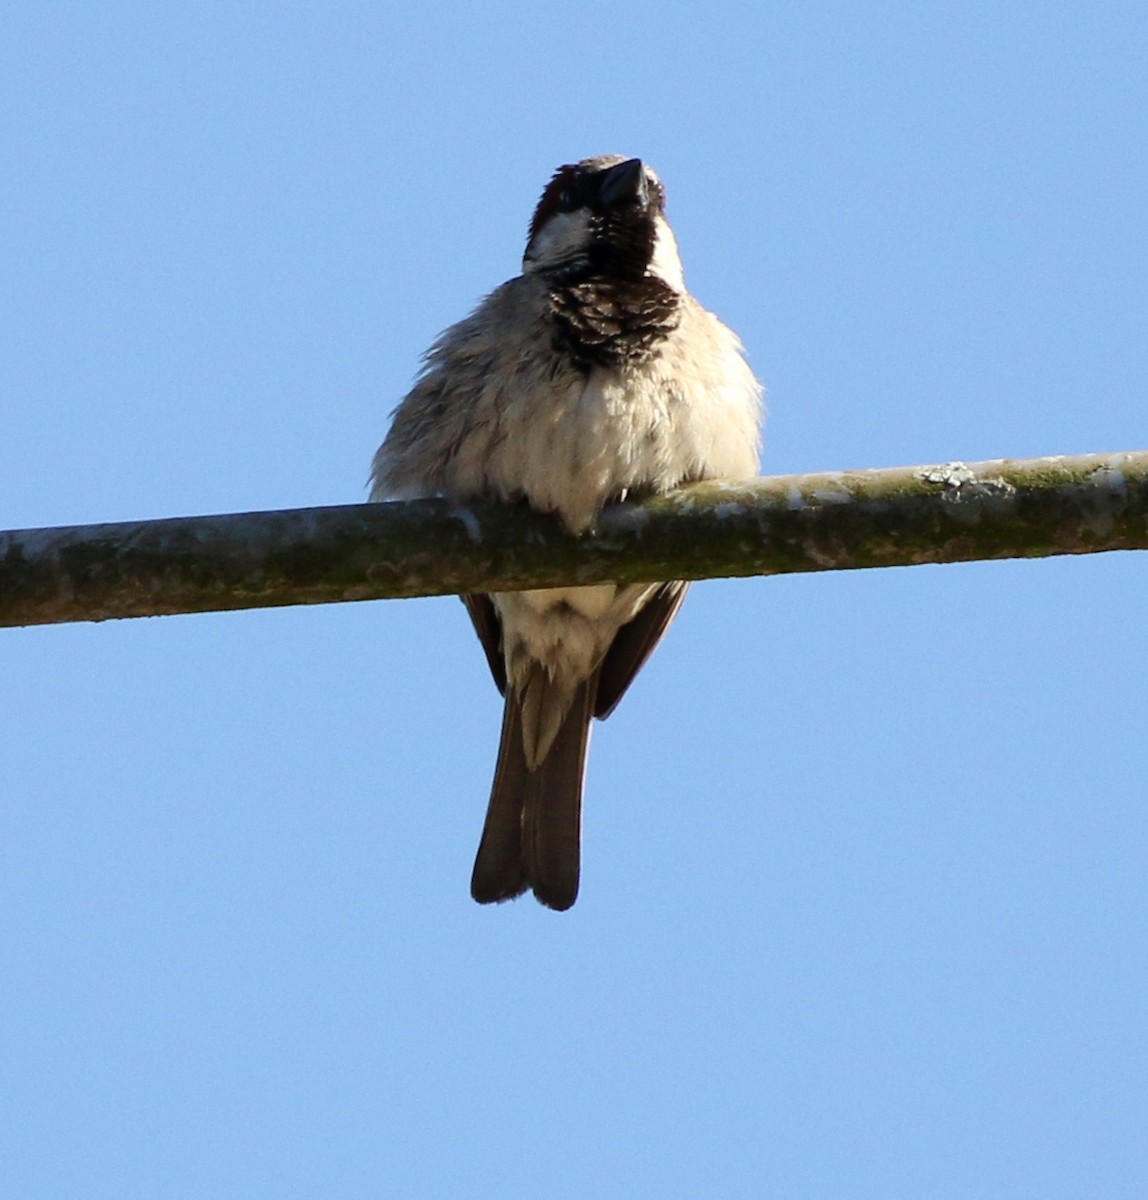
(567, 199)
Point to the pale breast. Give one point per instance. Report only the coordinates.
(532, 424)
(576, 441)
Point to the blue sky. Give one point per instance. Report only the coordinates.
(864, 895)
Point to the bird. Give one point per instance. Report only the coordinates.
(590, 378)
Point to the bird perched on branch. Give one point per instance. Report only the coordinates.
(591, 377)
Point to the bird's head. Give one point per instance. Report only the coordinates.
(603, 218)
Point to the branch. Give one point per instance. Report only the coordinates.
(834, 521)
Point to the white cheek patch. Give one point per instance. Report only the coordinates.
(563, 239)
(666, 263)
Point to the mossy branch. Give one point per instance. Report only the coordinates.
(839, 520)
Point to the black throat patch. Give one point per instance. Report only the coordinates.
(607, 322)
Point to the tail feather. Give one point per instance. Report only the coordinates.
(532, 836)
(552, 812)
(499, 871)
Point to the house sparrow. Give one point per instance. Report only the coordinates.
(591, 377)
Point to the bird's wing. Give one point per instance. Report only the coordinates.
(635, 643)
(489, 629)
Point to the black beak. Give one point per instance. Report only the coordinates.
(624, 184)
